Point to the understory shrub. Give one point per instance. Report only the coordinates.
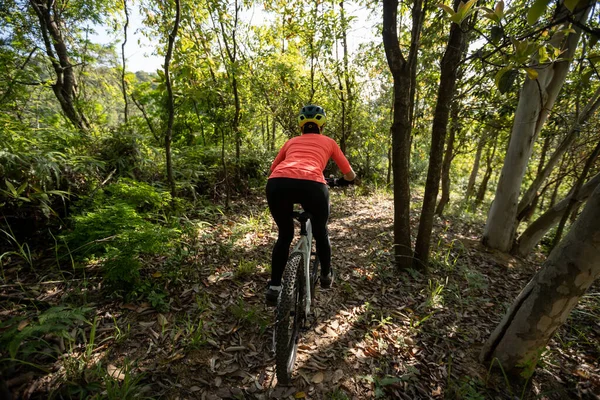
(121, 225)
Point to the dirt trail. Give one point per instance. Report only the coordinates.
(376, 333)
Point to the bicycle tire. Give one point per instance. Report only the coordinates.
(289, 317)
(314, 275)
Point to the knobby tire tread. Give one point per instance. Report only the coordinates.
(291, 288)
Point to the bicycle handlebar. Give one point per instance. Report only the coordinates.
(338, 182)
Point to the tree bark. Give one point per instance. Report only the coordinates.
(475, 170)
(545, 303)
(171, 100)
(446, 164)
(446, 89)
(538, 228)
(487, 175)
(535, 102)
(232, 70)
(402, 74)
(123, 81)
(65, 87)
(589, 110)
(563, 221)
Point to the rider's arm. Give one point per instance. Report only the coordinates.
(342, 163)
(280, 156)
(350, 175)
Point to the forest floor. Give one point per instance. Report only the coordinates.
(376, 334)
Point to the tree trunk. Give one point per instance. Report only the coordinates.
(487, 175)
(170, 100)
(448, 73)
(538, 228)
(563, 221)
(65, 87)
(589, 110)
(535, 102)
(123, 81)
(402, 74)
(545, 303)
(448, 156)
(475, 170)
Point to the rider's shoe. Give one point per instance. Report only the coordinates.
(327, 280)
(272, 294)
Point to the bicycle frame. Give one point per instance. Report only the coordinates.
(304, 246)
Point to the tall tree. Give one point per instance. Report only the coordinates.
(588, 111)
(171, 99)
(535, 102)
(547, 300)
(538, 228)
(52, 27)
(446, 90)
(403, 71)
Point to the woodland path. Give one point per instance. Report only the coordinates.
(377, 333)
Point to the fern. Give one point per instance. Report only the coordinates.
(18, 334)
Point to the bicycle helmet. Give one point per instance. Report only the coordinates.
(312, 113)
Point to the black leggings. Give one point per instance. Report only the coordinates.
(282, 194)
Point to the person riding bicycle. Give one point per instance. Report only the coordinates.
(297, 178)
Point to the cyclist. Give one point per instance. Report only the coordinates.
(297, 178)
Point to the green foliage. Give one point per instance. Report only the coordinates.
(118, 226)
(23, 337)
(251, 316)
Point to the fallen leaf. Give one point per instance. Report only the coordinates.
(300, 395)
(130, 307)
(157, 274)
(317, 378)
(23, 324)
(337, 375)
(162, 320)
(115, 372)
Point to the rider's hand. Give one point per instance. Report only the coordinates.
(342, 182)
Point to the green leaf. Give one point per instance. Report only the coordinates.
(537, 9)
(22, 187)
(497, 33)
(531, 73)
(449, 10)
(571, 4)
(505, 78)
(499, 10)
(11, 188)
(593, 40)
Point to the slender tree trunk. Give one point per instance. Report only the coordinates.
(171, 100)
(546, 302)
(140, 107)
(65, 87)
(224, 163)
(535, 102)
(401, 129)
(448, 74)
(563, 221)
(349, 93)
(538, 228)
(232, 70)
(273, 127)
(588, 111)
(446, 164)
(475, 170)
(123, 81)
(487, 175)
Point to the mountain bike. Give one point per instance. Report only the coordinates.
(297, 295)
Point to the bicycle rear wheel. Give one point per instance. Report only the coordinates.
(289, 317)
(314, 273)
